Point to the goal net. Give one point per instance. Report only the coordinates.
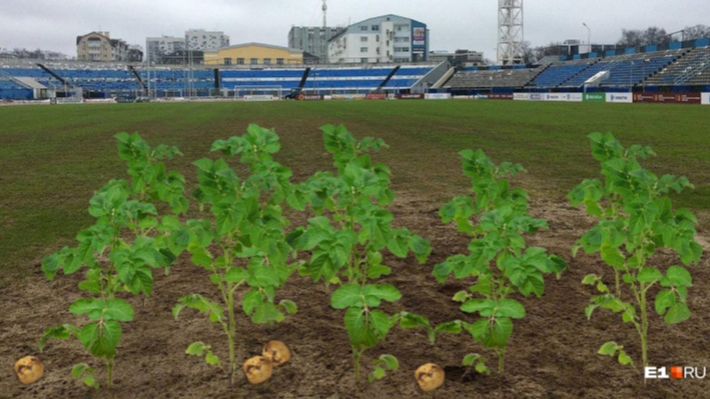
(258, 93)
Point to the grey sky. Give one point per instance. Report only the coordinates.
(454, 24)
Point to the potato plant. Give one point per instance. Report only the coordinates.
(499, 263)
(119, 251)
(243, 243)
(346, 240)
(636, 220)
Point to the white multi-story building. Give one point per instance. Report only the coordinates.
(200, 39)
(157, 47)
(389, 38)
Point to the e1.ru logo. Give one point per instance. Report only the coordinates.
(676, 373)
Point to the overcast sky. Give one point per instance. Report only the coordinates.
(454, 24)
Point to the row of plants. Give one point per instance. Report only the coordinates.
(244, 240)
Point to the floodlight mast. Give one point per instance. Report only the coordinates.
(510, 32)
(325, 12)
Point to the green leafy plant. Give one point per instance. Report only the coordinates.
(347, 239)
(499, 262)
(636, 220)
(476, 362)
(243, 244)
(120, 250)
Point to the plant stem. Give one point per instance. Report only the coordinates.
(644, 327)
(109, 367)
(356, 362)
(230, 334)
(501, 360)
(618, 286)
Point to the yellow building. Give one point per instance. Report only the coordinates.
(254, 54)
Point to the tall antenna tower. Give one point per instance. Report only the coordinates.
(325, 12)
(510, 32)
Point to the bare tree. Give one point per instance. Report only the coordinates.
(631, 38)
(696, 32)
(636, 37)
(655, 35)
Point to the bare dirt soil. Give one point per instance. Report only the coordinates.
(552, 352)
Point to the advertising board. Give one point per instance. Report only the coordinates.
(645, 97)
(595, 97)
(500, 96)
(705, 99)
(376, 96)
(437, 96)
(565, 97)
(521, 96)
(418, 36)
(309, 97)
(619, 98)
(410, 96)
(688, 98)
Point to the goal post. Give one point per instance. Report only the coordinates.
(258, 93)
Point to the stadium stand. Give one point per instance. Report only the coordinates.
(558, 73)
(105, 80)
(692, 68)
(487, 79)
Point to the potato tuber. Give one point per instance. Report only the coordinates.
(257, 369)
(429, 376)
(29, 369)
(277, 352)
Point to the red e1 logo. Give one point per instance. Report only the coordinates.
(677, 373)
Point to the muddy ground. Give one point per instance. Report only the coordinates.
(552, 352)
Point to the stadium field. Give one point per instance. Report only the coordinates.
(52, 158)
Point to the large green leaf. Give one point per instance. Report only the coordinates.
(511, 308)
(84, 305)
(375, 293)
(252, 300)
(267, 312)
(361, 336)
(479, 305)
(679, 276)
(107, 341)
(649, 275)
(492, 333)
(346, 296)
(664, 300)
(380, 322)
(118, 309)
(236, 275)
(677, 313)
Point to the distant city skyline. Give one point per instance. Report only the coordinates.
(454, 24)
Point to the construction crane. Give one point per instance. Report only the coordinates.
(510, 32)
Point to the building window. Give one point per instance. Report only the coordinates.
(254, 61)
(267, 61)
(363, 49)
(363, 60)
(279, 61)
(401, 49)
(364, 38)
(375, 27)
(363, 27)
(240, 61)
(227, 61)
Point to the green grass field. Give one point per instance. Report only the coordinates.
(53, 158)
